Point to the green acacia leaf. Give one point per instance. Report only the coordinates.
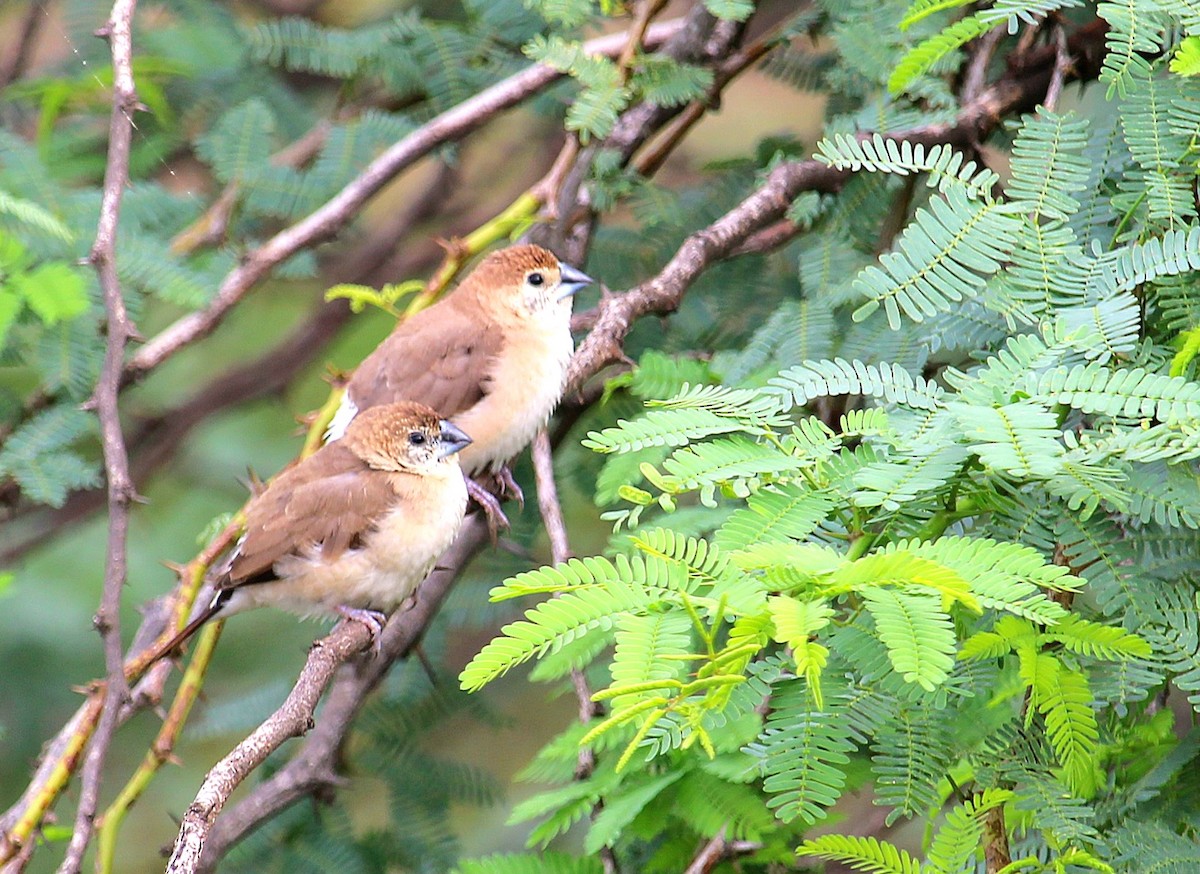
(919, 637)
(54, 292)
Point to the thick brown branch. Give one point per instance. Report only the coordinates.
(292, 719)
(119, 31)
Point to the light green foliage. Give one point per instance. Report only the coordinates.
(951, 549)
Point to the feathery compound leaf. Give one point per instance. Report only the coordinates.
(660, 428)
(1133, 393)
(803, 750)
(641, 643)
(1176, 251)
(911, 753)
(905, 477)
(946, 166)
(1002, 576)
(1134, 30)
(1156, 146)
(38, 455)
(1048, 166)
(239, 145)
(861, 854)
(29, 213)
(705, 465)
(1022, 439)
(710, 574)
(923, 56)
(777, 514)
(298, 44)
(667, 82)
(943, 257)
(1063, 698)
(627, 586)
(1098, 641)
(695, 412)
(815, 379)
(918, 635)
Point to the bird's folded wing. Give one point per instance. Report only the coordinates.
(325, 514)
(441, 357)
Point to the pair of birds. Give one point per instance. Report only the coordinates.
(455, 391)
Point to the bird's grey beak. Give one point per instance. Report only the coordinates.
(453, 440)
(572, 281)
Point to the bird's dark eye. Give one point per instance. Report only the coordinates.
(536, 279)
(416, 438)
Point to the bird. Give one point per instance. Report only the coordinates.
(351, 530)
(491, 357)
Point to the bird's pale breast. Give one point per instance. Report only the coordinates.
(524, 388)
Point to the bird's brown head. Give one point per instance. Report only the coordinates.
(405, 437)
(524, 281)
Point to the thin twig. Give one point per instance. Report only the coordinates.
(1062, 64)
(975, 79)
(710, 854)
(119, 32)
(645, 14)
(547, 498)
(649, 162)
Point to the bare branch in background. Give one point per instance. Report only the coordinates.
(982, 51)
(119, 32)
(1062, 63)
(14, 65)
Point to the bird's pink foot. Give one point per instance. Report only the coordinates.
(372, 619)
(490, 506)
(509, 487)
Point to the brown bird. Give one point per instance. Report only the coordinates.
(491, 356)
(353, 528)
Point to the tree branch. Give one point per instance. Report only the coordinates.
(119, 32)
(292, 719)
(14, 66)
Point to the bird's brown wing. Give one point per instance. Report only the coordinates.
(442, 357)
(326, 504)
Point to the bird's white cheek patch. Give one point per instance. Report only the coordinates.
(341, 420)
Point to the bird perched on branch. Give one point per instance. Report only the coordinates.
(353, 528)
(491, 356)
